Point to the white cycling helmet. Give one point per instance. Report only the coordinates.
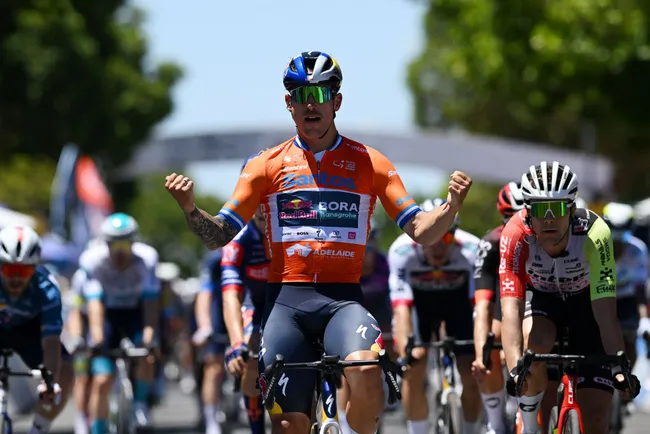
(20, 245)
(619, 216)
(431, 204)
(549, 181)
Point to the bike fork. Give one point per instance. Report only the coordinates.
(569, 401)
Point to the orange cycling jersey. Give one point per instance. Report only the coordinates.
(317, 207)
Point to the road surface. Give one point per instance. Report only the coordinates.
(178, 415)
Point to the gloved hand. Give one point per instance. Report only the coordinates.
(235, 362)
(52, 396)
(76, 344)
(201, 336)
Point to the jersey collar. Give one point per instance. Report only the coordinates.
(301, 145)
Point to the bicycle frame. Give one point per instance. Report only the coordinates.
(447, 373)
(567, 392)
(330, 417)
(122, 380)
(123, 377)
(330, 368)
(122, 355)
(3, 407)
(5, 373)
(569, 399)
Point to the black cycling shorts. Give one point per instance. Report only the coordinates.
(297, 318)
(576, 315)
(453, 307)
(25, 339)
(382, 310)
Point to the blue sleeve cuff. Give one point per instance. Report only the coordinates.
(405, 216)
(233, 218)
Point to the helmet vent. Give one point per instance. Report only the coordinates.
(36, 250)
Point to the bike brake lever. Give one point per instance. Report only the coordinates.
(523, 365)
(268, 399)
(487, 351)
(388, 366)
(626, 370)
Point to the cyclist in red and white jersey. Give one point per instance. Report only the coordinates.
(318, 191)
(559, 260)
(428, 285)
(487, 310)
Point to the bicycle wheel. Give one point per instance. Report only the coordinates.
(616, 415)
(124, 407)
(5, 424)
(571, 423)
(552, 421)
(453, 414)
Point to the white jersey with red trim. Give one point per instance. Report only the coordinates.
(409, 271)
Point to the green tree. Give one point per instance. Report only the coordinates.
(163, 225)
(76, 71)
(31, 178)
(542, 70)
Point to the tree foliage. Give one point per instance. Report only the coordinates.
(479, 212)
(26, 183)
(477, 216)
(76, 71)
(544, 70)
(163, 225)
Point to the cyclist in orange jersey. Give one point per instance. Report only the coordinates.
(318, 191)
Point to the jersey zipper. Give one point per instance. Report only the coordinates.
(557, 280)
(318, 229)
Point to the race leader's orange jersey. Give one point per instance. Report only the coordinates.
(317, 207)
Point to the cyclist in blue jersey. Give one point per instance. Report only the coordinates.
(211, 339)
(244, 274)
(30, 317)
(631, 255)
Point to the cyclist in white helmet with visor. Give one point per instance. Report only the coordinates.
(557, 268)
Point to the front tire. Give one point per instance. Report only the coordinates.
(572, 423)
(454, 416)
(616, 415)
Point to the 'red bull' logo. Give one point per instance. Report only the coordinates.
(298, 209)
(297, 204)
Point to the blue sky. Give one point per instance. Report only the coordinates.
(234, 54)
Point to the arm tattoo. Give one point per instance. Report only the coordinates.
(214, 232)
